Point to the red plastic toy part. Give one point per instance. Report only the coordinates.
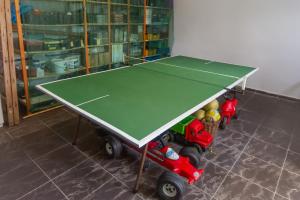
(228, 111)
(195, 133)
(180, 166)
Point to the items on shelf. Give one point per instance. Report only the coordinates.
(54, 38)
(117, 18)
(37, 16)
(98, 38)
(136, 34)
(99, 56)
(119, 35)
(137, 2)
(158, 3)
(39, 66)
(98, 19)
(137, 15)
(52, 44)
(150, 52)
(149, 16)
(117, 53)
(65, 64)
(153, 36)
(119, 1)
(136, 51)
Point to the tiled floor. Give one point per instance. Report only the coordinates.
(257, 157)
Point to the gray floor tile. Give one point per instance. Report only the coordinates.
(295, 142)
(26, 127)
(232, 139)
(39, 143)
(90, 145)
(211, 178)
(296, 132)
(11, 156)
(279, 197)
(236, 188)
(273, 136)
(251, 116)
(289, 185)
(244, 98)
(195, 193)
(3, 129)
(20, 181)
(292, 162)
(288, 110)
(114, 165)
(128, 174)
(261, 102)
(56, 116)
(60, 160)
(243, 127)
(222, 155)
(82, 180)
(67, 129)
(279, 123)
(46, 192)
(268, 152)
(149, 181)
(113, 190)
(258, 171)
(4, 138)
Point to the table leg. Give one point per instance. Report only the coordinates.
(244, 85)
(138, 178)
(77, 130)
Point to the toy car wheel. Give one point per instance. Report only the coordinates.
(170, 186)
(193, 154)
(223, 123)
(199, 148)
(113, 147)
(168, 137)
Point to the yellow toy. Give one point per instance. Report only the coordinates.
(200, 114)
(214, 105)
(212, 115)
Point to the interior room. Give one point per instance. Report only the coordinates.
(149, 99)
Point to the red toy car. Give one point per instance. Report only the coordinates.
(191, 133)
(228, 109)
(195, 133)
(171, 184)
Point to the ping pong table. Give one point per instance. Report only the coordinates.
(138, 103)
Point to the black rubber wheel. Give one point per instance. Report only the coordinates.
(170, 186)
(193, 154)
(168, 137)
(223, 123)
(199, 148)
(113, 147)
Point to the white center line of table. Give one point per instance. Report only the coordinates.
(102, 97)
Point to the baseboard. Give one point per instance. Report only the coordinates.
(274, 95)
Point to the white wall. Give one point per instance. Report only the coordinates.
(259, 33)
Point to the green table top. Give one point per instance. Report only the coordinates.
(142, 101)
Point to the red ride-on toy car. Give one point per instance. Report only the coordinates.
(171, 184)
(228, 109)
(191, 133)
